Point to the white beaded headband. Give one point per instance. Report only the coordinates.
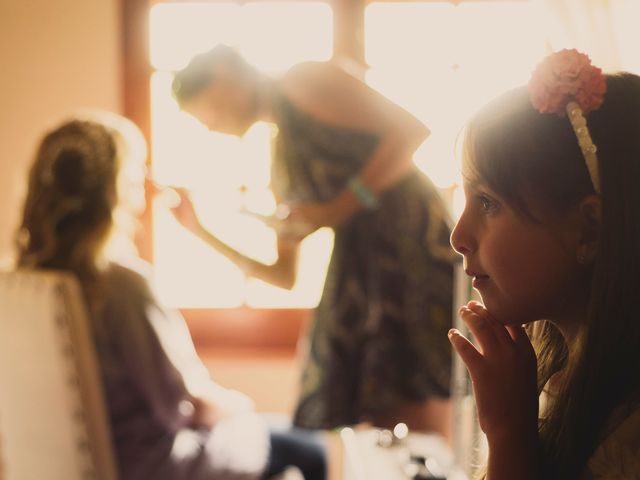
(566, 83)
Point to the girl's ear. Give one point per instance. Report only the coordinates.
(590, 214)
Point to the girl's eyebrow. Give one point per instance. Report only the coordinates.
(478, 186)
(471, 178)
(474, 184)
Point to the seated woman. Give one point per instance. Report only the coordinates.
(168, 419)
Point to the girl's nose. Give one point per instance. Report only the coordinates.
(460, 239)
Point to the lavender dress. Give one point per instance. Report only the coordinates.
(150, 372)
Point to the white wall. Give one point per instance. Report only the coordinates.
(55, 56)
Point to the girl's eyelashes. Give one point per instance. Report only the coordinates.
(477, 196)
(486, 203)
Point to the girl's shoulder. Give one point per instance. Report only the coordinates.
(618, 455)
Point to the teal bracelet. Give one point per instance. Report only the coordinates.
(366, 197)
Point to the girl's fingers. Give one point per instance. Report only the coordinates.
(481, 311)
(520, 337)
(467, 351)
(481, 329)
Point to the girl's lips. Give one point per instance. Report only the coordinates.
(479, 281)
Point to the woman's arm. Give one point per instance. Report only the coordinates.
(332, 95)
(384, 168)
(282, 273)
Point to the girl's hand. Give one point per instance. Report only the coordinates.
(503, 372)
(184, 211)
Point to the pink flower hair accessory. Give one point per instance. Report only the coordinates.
(567, 76)
(567, 83)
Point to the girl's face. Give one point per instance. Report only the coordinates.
(131, 184)
(523, 270)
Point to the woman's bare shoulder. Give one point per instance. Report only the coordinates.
(314, 75)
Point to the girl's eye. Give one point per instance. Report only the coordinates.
(487, 204)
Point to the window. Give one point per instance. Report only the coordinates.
(439, 60)
(228, 177)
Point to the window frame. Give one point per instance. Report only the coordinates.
(243, 327)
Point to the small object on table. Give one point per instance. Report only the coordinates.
(385, 438)
(420, 467)
(388, 438)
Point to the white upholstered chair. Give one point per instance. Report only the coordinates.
(53, 421)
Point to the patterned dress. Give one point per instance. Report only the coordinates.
(378, 338)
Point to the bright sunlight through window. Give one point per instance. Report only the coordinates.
(226, 175)
(437, 60)
(442, 61)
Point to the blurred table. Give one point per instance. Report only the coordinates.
(372, 454)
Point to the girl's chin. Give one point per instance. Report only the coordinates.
(505, 316)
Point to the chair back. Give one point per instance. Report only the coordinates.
(53, 418)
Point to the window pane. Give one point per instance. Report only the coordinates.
(442, 61)
(226, 175)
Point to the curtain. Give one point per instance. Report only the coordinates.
(604, 29)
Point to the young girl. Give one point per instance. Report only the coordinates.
(551, 236)
(168, 419)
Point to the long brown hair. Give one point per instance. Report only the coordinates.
(522, 154)
(68, 213)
